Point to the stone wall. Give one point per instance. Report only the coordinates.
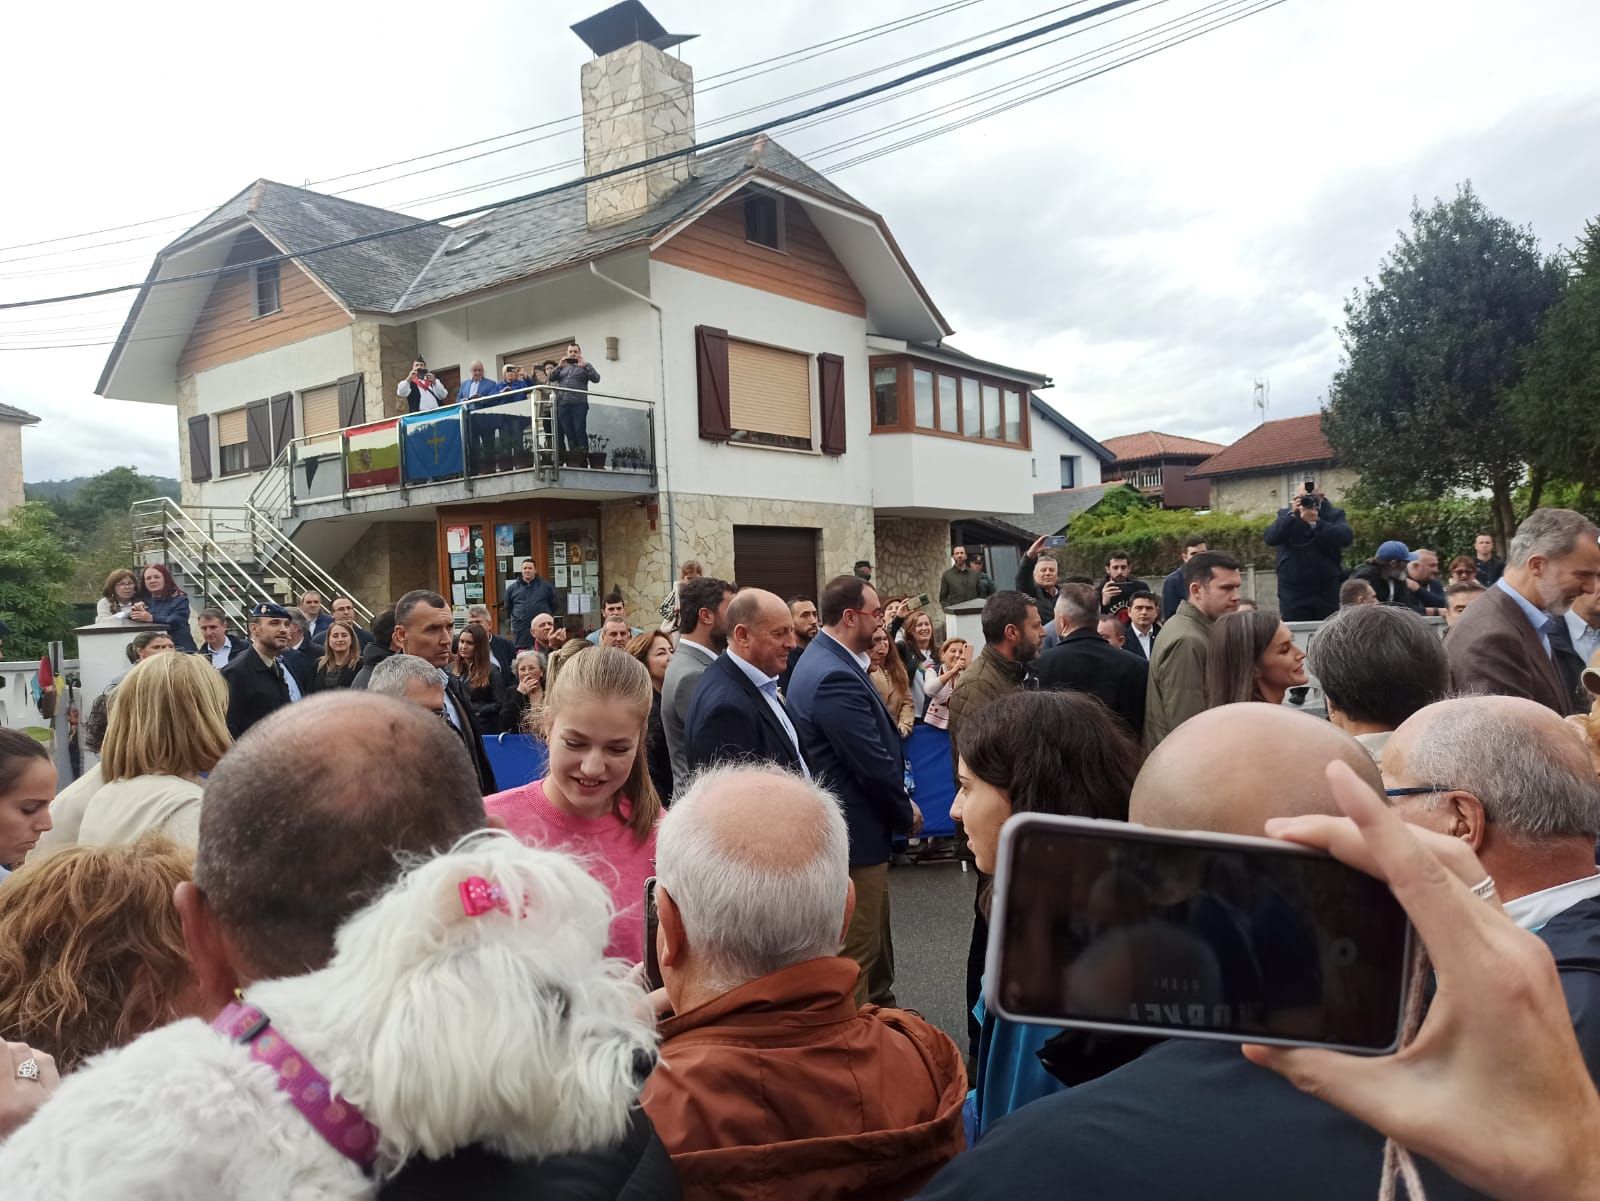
(635, 558)
(1263, 494)
(383, 355)
(637, 103)
(389, 560)
(10, 467)
(188, 406)
(912, 554)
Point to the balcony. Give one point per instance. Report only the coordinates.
(502, 447)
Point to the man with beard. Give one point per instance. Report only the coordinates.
(702, 617)
(1501, 644)
(257, 681)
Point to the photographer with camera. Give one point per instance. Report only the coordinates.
(573, 375)
(421, 390)
(1310, 536)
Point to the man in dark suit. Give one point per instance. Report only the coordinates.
(344, 609)
(318, 619)
(422, 627)
(1574, 639)
(1502, 643)
(736, 713)
(1085, 662)
(852, 746)
(216, 643)
(1142, 626)
(257, 682)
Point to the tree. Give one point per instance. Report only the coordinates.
(1557, 402)
(34, 564)
(1420, 405)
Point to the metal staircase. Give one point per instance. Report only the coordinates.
(229, 557)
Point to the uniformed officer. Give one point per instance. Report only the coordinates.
(258, 683)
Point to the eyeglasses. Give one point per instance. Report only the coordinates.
(1420, 790)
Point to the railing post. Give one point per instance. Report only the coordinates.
(466, 449)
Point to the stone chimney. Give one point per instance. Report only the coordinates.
(637, 103)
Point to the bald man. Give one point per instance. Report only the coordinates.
(769, 1074)
(1191, 1120)
(736, 713)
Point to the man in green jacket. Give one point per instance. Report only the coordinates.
(959, 582)
(1012, 634)
(1177, 688)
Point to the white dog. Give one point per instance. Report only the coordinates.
(444, 1022)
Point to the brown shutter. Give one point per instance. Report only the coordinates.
(199, 449)
(258, 435)
(830, 383)
(352, 401)
(282, 422)
(711, 368)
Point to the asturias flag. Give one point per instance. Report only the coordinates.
(433, 445)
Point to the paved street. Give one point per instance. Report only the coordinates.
(931, 906)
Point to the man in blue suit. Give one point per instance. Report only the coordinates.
(476, 386)
(736, 713)
(852, 746)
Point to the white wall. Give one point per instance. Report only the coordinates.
(923, 473)
(1049, 444)
(311, 363)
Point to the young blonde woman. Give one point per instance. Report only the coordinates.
(341, 658)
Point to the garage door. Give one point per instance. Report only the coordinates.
(781, 559)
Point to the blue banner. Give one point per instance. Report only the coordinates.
(432, 445)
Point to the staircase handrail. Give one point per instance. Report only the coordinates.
(198, 555)
(272, 545)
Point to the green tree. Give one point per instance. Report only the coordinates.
(34, 564)
(110, 492)
(1557, 402)
(1432, 349)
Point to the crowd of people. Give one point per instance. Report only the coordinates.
(290, 935)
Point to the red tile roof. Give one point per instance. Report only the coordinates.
(1152, 444)
(1271, 445)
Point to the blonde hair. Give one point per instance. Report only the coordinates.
(91, 948)
(171, 719)
(353, 655)
(605, 673)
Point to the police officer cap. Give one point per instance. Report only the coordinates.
(268, 609)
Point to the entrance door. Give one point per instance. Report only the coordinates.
(781, 559)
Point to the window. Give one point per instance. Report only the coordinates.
(991, 412)
(949, 404)
(1013, 416)
(971, 407)
(267, 289)
(319, 410)
(1069, 471)
(769, 395)
(763, 220)
(233, 440)
(922, 394)
(886, 396)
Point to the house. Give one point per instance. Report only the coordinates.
(1159, 464)
(11, 423)
(1063, 455)
(1260, 472)
(777, 395)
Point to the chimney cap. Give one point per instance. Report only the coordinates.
(622, 25)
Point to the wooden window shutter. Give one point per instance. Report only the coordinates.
(282, 422)
(830, 388)
(711, 369)
(199, 449)
(769, 390)
(352, 401)
(319, 410)
(258, 435)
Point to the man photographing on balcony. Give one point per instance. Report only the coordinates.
(573, 375)
(421, 390)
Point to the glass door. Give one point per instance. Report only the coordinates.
(573, 566)
(467, 556)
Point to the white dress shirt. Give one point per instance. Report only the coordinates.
(220, 656)
(1585, 638)
(767, 686)
(864, 662)
(1147, 640)
(1534, 910)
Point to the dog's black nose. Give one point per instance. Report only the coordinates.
(644, 1062)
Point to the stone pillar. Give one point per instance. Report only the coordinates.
(188, 406)
(912, 554)
(10, 467)
(637, 103)
(383, 355)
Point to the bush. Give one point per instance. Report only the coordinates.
(33, 565)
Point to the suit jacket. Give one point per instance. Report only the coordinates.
(729, 719)
(1086, 662)
(1570, 665)
(504, 652)
(254, 690)
(319, 627)
(1133, 646)
(455, 693)
(851, 746)
(688, 664)
(1494, 649)
(301, 662)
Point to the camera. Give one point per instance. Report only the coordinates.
(1309, 502)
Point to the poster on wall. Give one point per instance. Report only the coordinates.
(458, 594)
(558, 552)
(578, 603)
(455, 540)
(474, 592)
(458, 560)
(561, 576)
(574, 552)
(505, 540)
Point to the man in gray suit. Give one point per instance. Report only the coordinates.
(702, 614)
(1501, 644)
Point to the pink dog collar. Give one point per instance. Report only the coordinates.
(338, 1121)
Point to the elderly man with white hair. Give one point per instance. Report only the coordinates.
(408, 678)
(771, 1081)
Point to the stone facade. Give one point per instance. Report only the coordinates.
(389, 560)
(637, 103)
(188, 406)
(1262, 494)
(10, 467)
(383, 355)
(912, 554)
(635, 558)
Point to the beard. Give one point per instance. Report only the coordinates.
(1553, 598)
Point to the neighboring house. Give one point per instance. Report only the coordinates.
(11, 423)
(776, 396)
(1159, 464)
(1262, 471)
(1063, 455)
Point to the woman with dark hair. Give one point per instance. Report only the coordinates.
(1085, 768)
(486, 687)
(1462, 567)
(27, 786)
(118, 598)
(165, 604)
(653, 648)
(341, 658)
(888, 675)
(1252, 657)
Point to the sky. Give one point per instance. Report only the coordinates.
(1156, 239)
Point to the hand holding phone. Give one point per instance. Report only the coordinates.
(1053, 542)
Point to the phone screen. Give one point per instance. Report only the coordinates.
(652, 964)
(1055, 540)
(1109, 925)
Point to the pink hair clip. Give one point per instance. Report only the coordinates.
(478, 896)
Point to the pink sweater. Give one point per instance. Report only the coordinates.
(604, 845)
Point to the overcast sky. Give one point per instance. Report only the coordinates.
(1155, 239)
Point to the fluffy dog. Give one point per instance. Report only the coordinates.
(508, 1028)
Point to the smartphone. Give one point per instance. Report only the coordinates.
(652, 963)
(1054, 541)
(913, 603)
(1113, 926)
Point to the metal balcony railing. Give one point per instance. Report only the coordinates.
(506, 433)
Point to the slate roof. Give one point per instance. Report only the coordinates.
(1054, 511)
(1050, 414)
(1286, 442)
(1153, 444)
(7, 413)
